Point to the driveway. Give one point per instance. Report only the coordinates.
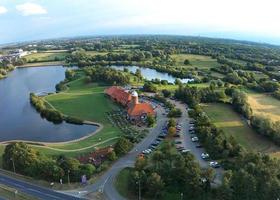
(105, 184)
(185, 137)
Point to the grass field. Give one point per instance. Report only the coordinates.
(199, 61)
(174, 87)
(227, 119)
(87, 102)
(46, 56)
(263, 104)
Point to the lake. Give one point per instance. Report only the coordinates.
(150, 74)
(20, 121)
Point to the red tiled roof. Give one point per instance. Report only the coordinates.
(140, 109)
(119, 94)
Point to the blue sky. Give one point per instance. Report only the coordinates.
(255, 20)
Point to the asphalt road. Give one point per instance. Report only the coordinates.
(105, 184)
(185, 137)
(34, 190)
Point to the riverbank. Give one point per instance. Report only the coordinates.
(42, 64)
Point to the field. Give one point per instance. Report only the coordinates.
(263, 104)
(46, 56)
(174, 87)
(87, 102)
(227, 119)
(201, 62)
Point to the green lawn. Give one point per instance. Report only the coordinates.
(87, 102)
(122, 182)
(227, 119)
(46, 56)
(174, 87)
(199, 61)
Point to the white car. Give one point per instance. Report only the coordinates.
(195, 139)
(186, 150)
(147, 151)
(204, 155)
(214, 164)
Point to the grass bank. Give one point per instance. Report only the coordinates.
(86, 102)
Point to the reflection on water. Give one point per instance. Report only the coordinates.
(20, 121)
(150, 74)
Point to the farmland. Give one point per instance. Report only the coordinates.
(232, 124)
(199, 61)
(264, 104)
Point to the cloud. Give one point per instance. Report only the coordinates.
(27, 9)
(3, 10)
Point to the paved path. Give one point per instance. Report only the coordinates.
(34, 190)
(105, 184)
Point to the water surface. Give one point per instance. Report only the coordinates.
(20, 121)
(150, 74)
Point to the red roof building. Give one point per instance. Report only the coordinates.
(119, 95)
(135, 111)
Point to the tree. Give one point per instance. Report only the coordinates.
(186, 62)
(166, 93)
(112, 156)
(151, 120)
(122, 146)
(171, 131)
(155, 185)
(171, 122)
(149, 87)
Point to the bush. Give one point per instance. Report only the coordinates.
(73, 120)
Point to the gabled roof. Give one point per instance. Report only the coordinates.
(140, 109)
(119, 94)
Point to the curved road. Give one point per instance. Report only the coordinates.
(105, 184)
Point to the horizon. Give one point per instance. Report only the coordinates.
(31, 20)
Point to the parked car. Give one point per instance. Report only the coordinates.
(177, 135)
(178, 142)
(205, 156)
(194, 139)
(147, 151)
(198, 146)
(180, 148)
(186, 151)
(214, 164)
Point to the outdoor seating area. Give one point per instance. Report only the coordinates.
(132, 132)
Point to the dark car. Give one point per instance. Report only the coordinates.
(178, 142)
(198, 146)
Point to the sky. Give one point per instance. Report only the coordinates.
(253, 20)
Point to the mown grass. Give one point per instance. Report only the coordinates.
(264, 104)
(122, 182)
(232, 124)
(87, 102)
(46, 56)
(199, 61)
(174, 87)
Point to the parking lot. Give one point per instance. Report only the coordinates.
(186, 134)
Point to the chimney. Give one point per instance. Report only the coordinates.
(134, 98)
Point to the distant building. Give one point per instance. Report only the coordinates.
(136, 111)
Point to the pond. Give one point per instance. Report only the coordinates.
(150, 74)
(20, 121)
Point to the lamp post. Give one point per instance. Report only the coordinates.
(14, 168)
(68, 177)
(139, 189)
